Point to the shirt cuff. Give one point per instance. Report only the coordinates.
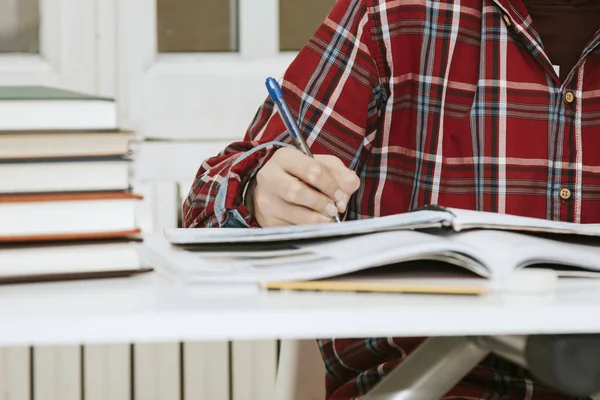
(230, 208)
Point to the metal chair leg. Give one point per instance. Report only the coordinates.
(431, 370)
(512, 348)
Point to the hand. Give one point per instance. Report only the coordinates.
(294, 189)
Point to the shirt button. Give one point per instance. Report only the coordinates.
(507, 20)
(565, 194)
(569, 97)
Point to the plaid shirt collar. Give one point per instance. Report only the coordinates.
(518, 20)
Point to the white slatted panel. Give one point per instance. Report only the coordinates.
(166, 205)
(57, 373)
(106, 48)
(160, 207)
(254, 370)
(15, 373)
(171, 161)
(156, 371)
(107, 372)
(184, 190)
(259, 28)
(206, 371)
(168, 371)
(145, 210)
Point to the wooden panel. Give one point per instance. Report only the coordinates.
(299, 19)
(15, 373)
(206, 371)
(156, 371)
(107, 372)
(57, 373)
(194, 26)
(254, 370)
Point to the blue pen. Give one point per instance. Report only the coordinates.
(276, 95)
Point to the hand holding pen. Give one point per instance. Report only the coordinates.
(296, 188)
(288, 119)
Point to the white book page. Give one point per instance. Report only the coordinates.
(468, 219)
(569, 259)
(313, 261)
(510, 251)
(412, 220)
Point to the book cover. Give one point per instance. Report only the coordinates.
(12, 93)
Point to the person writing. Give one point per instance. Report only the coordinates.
(490, 105)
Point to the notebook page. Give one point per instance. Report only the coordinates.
(467, 219)
(412, 220)
(509, 251)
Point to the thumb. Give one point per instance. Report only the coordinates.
(345, 177)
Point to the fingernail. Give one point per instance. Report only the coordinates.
(341, 205)
(339, 196)
(331, 210)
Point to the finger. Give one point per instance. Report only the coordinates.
(293, 191)
(347, 179)
(311, 172)
(349, 183)
(297, 215)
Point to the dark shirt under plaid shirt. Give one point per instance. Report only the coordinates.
(450, 102)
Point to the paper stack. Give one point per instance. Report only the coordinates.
(66, 207)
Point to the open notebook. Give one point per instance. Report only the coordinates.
(433, 251)
(428, 217)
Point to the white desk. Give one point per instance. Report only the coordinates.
(150, 309)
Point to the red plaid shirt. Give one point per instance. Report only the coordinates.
(447, 102)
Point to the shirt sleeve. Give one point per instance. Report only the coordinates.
(334, 91)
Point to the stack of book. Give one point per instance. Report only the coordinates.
(66, 207)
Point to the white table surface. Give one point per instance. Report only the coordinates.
(151, 309)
